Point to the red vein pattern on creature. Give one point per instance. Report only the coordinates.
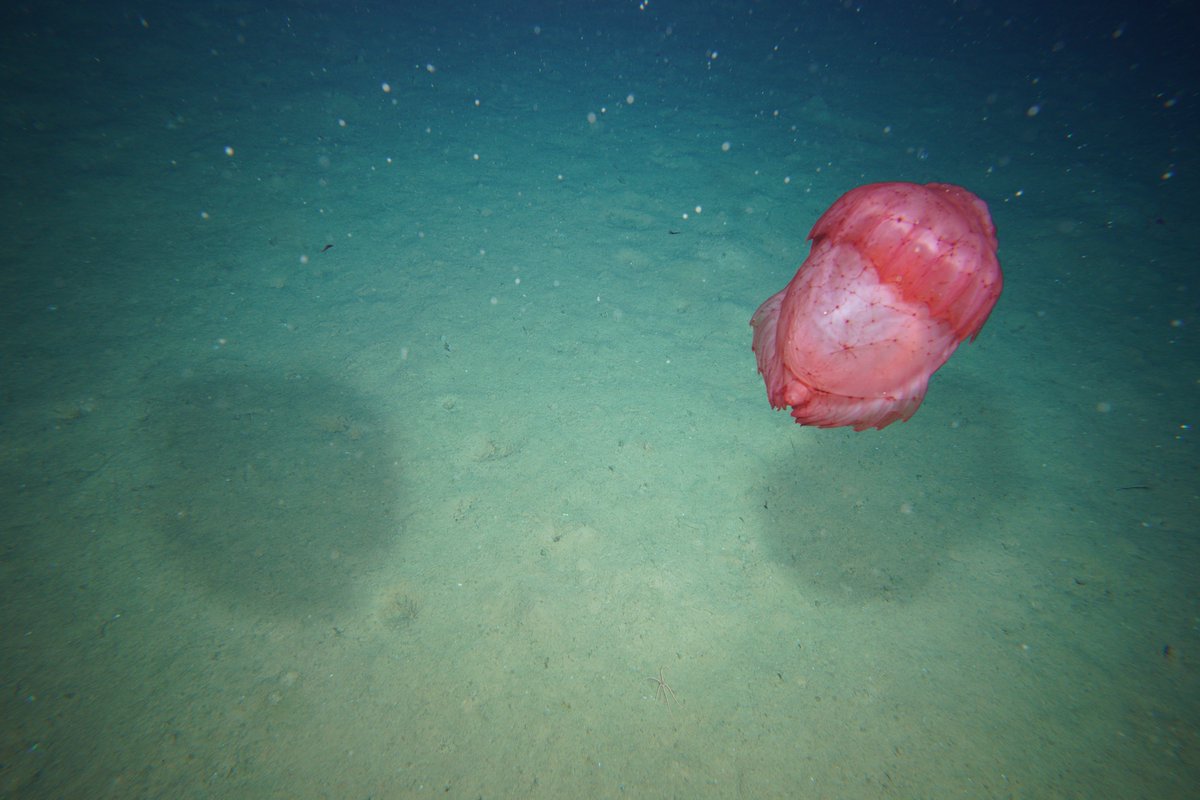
(898, 276)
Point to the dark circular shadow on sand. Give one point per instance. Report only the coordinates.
(873, 516)
(272, 490)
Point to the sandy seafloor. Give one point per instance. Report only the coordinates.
(428, 513)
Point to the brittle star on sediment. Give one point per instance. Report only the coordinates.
(664, 692)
